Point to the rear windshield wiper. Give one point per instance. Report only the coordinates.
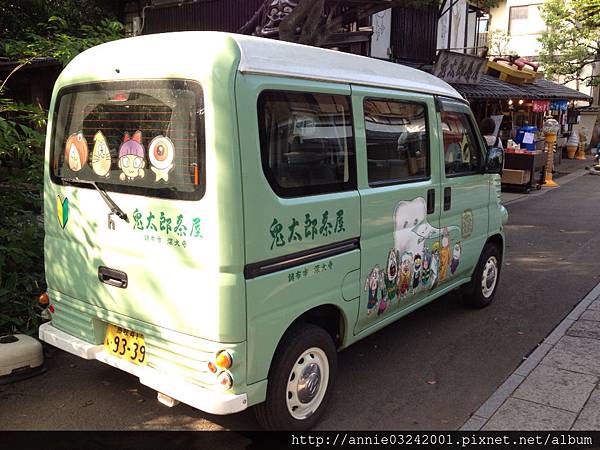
(114, 208)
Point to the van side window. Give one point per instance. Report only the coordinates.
(462, 154)
(397, 141)
(307, 142)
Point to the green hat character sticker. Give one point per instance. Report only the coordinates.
(161, 153)
(131, 157)
(62, 211)
(101, 156)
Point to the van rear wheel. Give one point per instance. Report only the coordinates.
(480, 292)
(300, 380)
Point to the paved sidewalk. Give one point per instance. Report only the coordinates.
(557, 385)
(569, 170)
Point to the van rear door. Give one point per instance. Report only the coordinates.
(135, 147)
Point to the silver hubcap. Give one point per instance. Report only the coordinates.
(489, 276)
(307, 383)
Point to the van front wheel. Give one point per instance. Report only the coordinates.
(300, 380)
(480, 292)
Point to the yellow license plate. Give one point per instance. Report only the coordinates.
(125, 344)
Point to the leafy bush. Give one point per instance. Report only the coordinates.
(19, 135)
(21, 229)
(21, 167)
(57, 39)
(21, 260)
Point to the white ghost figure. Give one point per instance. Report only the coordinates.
(411, 229)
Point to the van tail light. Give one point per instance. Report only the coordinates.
(212, 367)
(44, 300)
(225, 380)
(224, 360)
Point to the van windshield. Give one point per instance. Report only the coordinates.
(138, 137)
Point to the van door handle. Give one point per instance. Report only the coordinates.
(447, 198)
(430, 201)
(112, 277)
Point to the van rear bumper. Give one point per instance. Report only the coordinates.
(186, 392)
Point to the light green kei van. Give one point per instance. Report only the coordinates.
(224, 213)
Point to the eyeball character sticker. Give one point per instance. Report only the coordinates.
(161, 153)
(76, 151)
(131, 157)
(101, 156)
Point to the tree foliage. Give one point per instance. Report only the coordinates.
(57, 39)
(572, 40)
(31, 31)
(16, 16)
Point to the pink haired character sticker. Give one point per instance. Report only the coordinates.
(131, 157)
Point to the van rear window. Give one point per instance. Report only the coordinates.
(137, 137)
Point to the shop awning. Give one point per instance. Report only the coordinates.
(491, 87)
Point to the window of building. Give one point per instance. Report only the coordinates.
(525, 20)
(307, 142)
(462, 152)
(397, 141)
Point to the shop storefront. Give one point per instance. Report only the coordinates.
(519, 111)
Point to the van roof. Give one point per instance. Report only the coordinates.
(257, 56)
(269, 56)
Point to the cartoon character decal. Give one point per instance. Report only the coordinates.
(101, 160)
(455, 258)
(391, 275)
(383, 303)
(373, 285)
(405, 277)
(161, 152)
(411, 228)
(422, 257)
(435, 264)
(76, 151)
(131, 157)
(444, 255)
(426, 268)
(416, 272)
(466, 223)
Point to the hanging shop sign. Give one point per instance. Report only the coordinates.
(458, 67)
(559, 105)
(541, 105)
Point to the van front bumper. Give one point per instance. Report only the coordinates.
(212, 402)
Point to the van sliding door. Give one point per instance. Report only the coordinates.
(400, 193)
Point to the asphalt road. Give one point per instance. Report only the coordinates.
(430, 370)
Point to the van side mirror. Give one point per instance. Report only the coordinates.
(494, 160)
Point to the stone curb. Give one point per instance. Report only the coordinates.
(506, 389)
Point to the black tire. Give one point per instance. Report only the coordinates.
(273, 414)
(475, 294)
